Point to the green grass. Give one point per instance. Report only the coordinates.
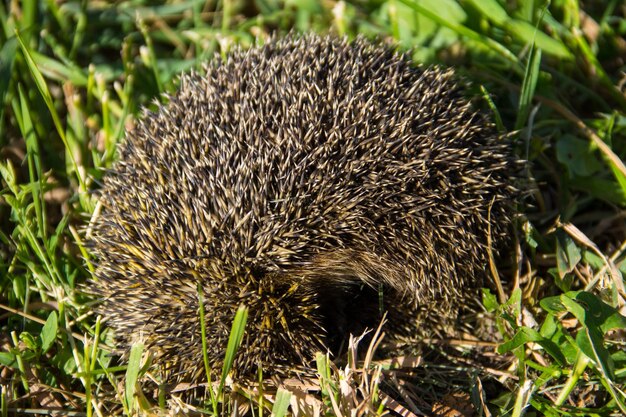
(74, 74)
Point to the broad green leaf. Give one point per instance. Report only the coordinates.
(281, 403)
(572, 306)
(547, 376)
(526, 32)
(532, 236)
(463, 31)
(521, 29)
(619, 176)
(492, 10)
(590, 342)
(450, 10)
(323, 368)
(49, 332)
(593, 260)
(19, 287)
(604, 189)
(8, 359)
(490, 301)
(525, 335)
(549, 327)
(69, 365)
(600, 314)
(577, 155)
(567, 253)
(515, 301)
(597, 317)
(619, 358)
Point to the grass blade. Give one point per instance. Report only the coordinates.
(7, 59)
(132, 374)
(528, 87)
(234, 340)
(45, 94)
(467, 32)
(281, 403)
(34, 164)
(205, 350)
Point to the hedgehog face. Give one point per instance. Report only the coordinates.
(322, 184)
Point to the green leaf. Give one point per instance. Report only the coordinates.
(526, 32)
(619, 358)
(450, 10)
(492, 10)
(531, 74)
(521, 29)
(490, 301)
(492, 106)
(593, 260)
(29, 340)
(45, 94)
(8, 359)
(597, 317)
(572, 306)
(205, 353)
(19, 287)
(234, 341)
(69, 365)
(567, 253)
(525, 335)
(34, 164)
(132, 374)
(549, 327)
(8, 174)
(619, 176)
(49, 332)
(600, 314)
(28, 18)
(7, 58)
(323, 369)
(58, 71)
(532, 236)
(58, 232)
(607, 190)
(578, 156)
(547, 375)
(464, 31)
(37, 77)
(589, 341)
(281, 403)
(515, 301)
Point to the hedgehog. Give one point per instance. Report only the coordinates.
(320, 182)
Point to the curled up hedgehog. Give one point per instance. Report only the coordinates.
(319, 182)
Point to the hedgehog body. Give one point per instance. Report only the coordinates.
(321, 183)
